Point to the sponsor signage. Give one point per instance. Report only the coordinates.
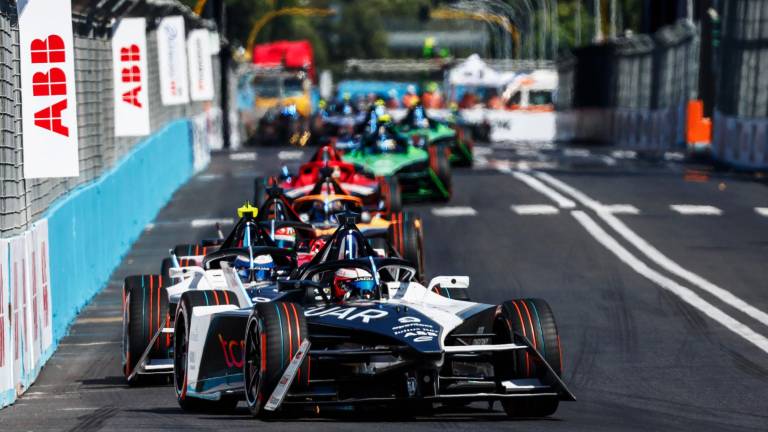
(172, 61)
(49, 105)
(129, 70)
(200, 66)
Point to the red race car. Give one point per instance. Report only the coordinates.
(377, 194)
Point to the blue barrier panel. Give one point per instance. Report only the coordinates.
(93, 227)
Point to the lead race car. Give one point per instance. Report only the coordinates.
(353, 328)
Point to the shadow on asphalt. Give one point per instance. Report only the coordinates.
(383, 414)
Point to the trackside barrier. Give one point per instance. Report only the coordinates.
(505, 125)
(51, 271)
(740, 142)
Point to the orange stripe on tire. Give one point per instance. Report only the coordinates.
(298, 335)
(290, 333)
(522, 325)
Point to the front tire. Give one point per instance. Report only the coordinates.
(274, 334)
(532, 319)
(145, 308)
(189, 300)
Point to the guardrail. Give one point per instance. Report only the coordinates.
(62, 237)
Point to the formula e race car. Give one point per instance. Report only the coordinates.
(422, 173)
(150, 301)
(377, 194)
(427, 131)
(393, 234)
(352, 328)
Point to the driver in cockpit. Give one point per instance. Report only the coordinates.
(259, 270)
(353, 284)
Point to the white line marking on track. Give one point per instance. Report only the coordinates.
(535, 209)
(454, 211)
(762, 211)
(624, 154)
(86, 344)
(656, 256)
(208, 177)
(700, 210)
(575, 152)
(664, 282)
(244, 156)
(621, 209)
(537, 185)
(290, 154)
(482, 151)
(199, 223)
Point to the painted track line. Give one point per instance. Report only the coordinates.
(621, 209)
(540, 187)
(454, 211)
(696, 210)
(243, 156)
(655, 255)
(664, 282)
(199, 223)
(535, 209)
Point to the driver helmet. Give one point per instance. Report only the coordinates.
(259, 270)
(285, 237)
(353, 282)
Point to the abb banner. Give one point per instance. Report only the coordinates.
(129, 70)
(172, 61)
(7, 390)
(23, 364)
(49, 106)
(200, 66)
(26, 317)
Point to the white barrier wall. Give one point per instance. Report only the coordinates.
(25, 276)
(505, 125)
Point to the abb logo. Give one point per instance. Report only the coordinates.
(131, 73)
(50, 82)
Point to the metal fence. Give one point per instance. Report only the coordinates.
(743, 88)
(640, 72)
(23, 201)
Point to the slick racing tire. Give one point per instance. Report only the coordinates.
(464, 138)
(274, 334)
(407, 238)
(259, 191)
(533, 320)
(145, 308)
(439, 162)
(188, 301)
(391, 194)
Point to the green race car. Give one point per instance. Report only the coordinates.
(437, 133)
(422, 173)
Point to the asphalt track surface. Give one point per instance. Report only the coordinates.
(640, 352)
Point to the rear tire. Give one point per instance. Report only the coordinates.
(274, 334)
(533, 319)
(188, 301)
(259, 191)
(145, 307)
(392, 194)
(407, 238)
(440, 163)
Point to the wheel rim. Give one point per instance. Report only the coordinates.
(252, 363)
(180, 358)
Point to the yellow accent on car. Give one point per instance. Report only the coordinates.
(247, 208)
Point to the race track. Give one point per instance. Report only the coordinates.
(656, 272)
